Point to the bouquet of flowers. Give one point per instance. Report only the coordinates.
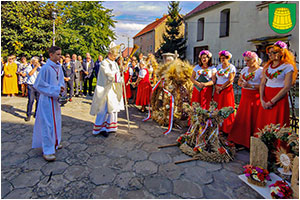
(281, 190)
(256, 175)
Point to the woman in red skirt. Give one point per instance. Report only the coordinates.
(127, 80)
(224, 95)
(144, 87)
(203, 77)
(246, 116)
(279, 74)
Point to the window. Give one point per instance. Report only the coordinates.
(224, 23)
(200, 29)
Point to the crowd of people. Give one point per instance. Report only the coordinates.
(263, 101)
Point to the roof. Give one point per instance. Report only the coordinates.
(204, 5)
(151, 26)
(125, 52)
(272, 38)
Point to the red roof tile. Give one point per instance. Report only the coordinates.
(151, 26)
(202, 6)
(125, 52)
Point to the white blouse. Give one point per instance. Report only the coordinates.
(142, 73)
(252, 78)
(207, 73)
(275, 77)
(223, 74)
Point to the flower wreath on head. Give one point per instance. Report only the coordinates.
(281, 44)
(225, 53)
(250, 54)
(205, 52)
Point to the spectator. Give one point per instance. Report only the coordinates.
(22, 76)
(88, 68)
(81, 74)
(78, 68)
(69, 72)
(10, 80)
(32, 73)
(97, 65)
(42, 60)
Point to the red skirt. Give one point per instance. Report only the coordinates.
(128, 92)
(143, 94)
(203, 97)
(278, 114)
(246, 117)
(226, 99)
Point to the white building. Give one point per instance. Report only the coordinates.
(244, 27)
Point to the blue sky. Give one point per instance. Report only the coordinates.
(133, 16)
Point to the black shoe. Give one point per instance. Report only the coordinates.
(76, 95)
(27, 118)
(34, 115)
(104, 133)
(84, 94)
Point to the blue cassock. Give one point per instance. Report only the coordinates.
(47, 126)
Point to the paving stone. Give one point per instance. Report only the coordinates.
(228, 178)
(198, 175)
(94, 140)
(246, 192)
(6, 188)
(145, 167)
(235, 167)
(37, 152)
(53, 185)
(81, 189)
(35, 163)
(76, 138)
(118, 163)
(98, 161)
(160, 157)
(54, 167)
(106, 192)
(210, 167)
(135, 183)
(28, 179)
(20, 194)
(102, 176)
(75, 172)
(158, 185)
(10, 173)
(167, 196)
(171, 171)
(122, 180)
(138, 194)
(115, 152)
(77, 147)
(61, 154)
(150, 147)
(138, 155)
(128, 166)
(214, 193)
(187, 189)
(13, 160)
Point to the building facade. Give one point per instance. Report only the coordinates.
(235, 26)
(151, 37)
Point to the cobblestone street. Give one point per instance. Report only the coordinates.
(127, 164)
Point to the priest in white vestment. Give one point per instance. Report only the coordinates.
(47, 127)
(107, 99)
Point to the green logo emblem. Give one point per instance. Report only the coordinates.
(282, 17)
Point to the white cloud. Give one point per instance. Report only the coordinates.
(129, 26)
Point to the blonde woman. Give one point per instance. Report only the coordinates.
(10, 80)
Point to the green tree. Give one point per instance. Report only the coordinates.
(26, 28)
(173, 40)
(84, 27)
(81, 27)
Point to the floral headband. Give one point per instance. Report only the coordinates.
(281, 44)
(225, 53)
(250, 54)
(205, 52)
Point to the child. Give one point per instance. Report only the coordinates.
(50, 84)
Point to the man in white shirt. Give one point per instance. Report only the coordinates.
(32, 73)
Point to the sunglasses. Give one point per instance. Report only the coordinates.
(273, 53)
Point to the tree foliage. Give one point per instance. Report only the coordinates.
(173, 40)
(81, 27)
